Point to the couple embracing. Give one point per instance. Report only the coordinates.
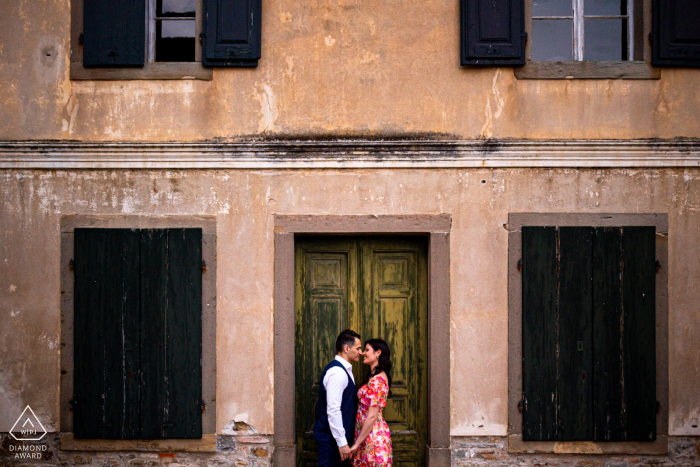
(350, 429)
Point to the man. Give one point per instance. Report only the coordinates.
(334, 429)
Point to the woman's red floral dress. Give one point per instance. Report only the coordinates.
(375, 451)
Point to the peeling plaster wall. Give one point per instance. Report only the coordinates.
(328, 67)
(479, 201)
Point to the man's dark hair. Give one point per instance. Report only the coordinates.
(346, 337)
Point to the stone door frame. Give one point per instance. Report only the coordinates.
(437, 226)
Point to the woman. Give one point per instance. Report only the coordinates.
(372, 447)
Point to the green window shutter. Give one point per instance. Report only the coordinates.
(171, 335)
(114, 33)
(106, 329)
(639, 340)
(232, 33)
(539, 333)
(574, 361)
(675, 33)
(589, 350)
(608, 414)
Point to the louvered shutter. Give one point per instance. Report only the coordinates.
(232, 33)
(107, 333)
(114, 33)
(676, 33)
(492, 32)
(171, 333)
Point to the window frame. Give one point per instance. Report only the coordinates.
(515, 339)
(208, 225)
(151, 68)
(639, 67)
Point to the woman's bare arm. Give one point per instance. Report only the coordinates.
(372, 415)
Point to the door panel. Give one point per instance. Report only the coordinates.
(394, 307)
(378, 287)
(325, 294)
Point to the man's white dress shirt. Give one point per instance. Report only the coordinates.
(335, 382)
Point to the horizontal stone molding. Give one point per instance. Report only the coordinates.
(348, 154)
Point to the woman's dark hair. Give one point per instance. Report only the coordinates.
(384, 363)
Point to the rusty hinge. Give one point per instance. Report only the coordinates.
(71, 263)
(658, 265)
(81, 38)
(658, 407)
(71, 403)
(520, 265)
(202, 405)
(204, 266)
(520, 406)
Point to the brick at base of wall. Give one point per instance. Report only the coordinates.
(231, 451)
(492, 451)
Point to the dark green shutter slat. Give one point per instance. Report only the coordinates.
(608, 413)
(232, 33)
(639, 342)
(171, 310)
(675, 33)
(114, 32)
(492, 32)
(539, 332)
(574, 364)
(106, 331)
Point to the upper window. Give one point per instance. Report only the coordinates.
(578, 30)
(162, 39)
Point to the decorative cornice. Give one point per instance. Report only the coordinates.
(342, 154)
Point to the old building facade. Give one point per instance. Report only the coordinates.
(512, 230)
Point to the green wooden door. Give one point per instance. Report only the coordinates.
(378, 287)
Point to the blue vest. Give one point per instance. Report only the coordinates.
(348, 407)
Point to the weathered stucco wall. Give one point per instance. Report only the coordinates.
(479, 201)
(334, 67)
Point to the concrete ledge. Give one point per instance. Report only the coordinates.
(151, 70)
(658, 447)
(206, 444)
(587, 70)
(344, 154)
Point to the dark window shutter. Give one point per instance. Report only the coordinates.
(492, 32)
(575, 359)
(539, 333)
(676, 34)
(624, 334)
(639, 340)
(232, 33)
(171, 313)
(590, 294)
(114, 32)
(106, 328)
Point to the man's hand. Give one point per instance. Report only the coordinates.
(345, 452)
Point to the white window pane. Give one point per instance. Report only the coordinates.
(177, 28)
(552, 40)
(605, 7)
(176, 7)
(606, 39)
(552, 8)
